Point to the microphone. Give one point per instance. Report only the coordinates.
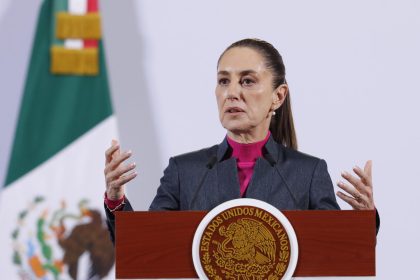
(210, 164)
(272, 162)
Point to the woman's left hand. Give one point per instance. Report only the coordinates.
(360, 195)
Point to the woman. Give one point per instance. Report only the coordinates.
(257, 159)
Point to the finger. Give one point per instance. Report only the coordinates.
(368, 168)
(119, 172)
(357, 183)
(353, 203)
(363, 175)
(363, 200)
(115, 142)
(367, 183)
(349, 189)
(117, 160)
(126, 178)
(110, 151)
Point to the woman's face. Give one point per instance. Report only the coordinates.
(245, 94)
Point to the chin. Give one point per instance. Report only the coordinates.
(236, 127)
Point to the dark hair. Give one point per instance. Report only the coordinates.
(282, 127)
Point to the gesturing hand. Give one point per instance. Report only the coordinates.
(360, 194)
(117, 174)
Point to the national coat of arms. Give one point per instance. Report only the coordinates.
(242, 239)
(49, 243)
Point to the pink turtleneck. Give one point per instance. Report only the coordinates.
(246, 155)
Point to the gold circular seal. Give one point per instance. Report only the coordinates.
(244, 242)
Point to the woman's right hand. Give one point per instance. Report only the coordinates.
(117, 173)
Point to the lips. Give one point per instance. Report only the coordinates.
(234, 110)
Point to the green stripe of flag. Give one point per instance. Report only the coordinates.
(57, 6)
(55, 110)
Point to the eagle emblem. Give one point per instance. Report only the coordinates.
(61, 242)
(249, 241)
(244, 243)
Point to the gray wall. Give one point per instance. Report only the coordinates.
(352, 67)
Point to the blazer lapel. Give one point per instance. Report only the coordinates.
(266, 183)
(262, 180)
(227, 175)
(285, 196)
(265, 180)
(227, 180)
(264, 173)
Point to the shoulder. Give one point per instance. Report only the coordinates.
(291, 154)
(287, 157)
(298, 159)
(196, 158)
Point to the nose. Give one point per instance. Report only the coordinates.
(233, 92)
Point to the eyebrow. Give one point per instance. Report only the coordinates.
(244, 72)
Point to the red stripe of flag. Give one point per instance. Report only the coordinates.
(92, 7)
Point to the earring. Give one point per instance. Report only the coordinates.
(274, 113)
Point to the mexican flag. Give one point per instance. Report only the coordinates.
(51, 205)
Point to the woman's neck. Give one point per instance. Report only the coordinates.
(247, 138)
(247, 152)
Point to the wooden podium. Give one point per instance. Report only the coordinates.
(159, 244)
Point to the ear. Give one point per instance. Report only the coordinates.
(279, 95)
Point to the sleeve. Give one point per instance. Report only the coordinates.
(167, 197)
(321, 193)
(110, 218)
(168, 193)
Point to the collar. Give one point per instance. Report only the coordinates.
(271, 151)
(248, 152)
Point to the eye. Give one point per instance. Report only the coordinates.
(247, 82)
(223, 81)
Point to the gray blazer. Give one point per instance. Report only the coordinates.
(285, 178)
(201, 180)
